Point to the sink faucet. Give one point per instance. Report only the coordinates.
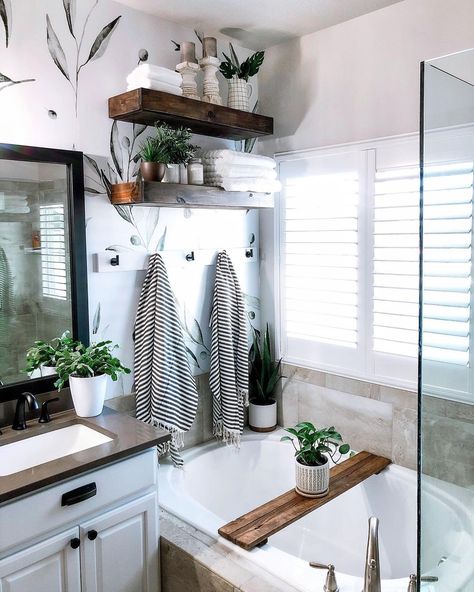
(19, 422)
(372, 561)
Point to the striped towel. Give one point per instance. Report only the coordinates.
(229, 354)
(166, 390)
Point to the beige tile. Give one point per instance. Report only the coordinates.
(404, 439)
(363, 422)
(287, 402)
(305, 374)
(352, 386)
(399, 398)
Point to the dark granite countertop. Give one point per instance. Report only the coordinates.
(129, 436)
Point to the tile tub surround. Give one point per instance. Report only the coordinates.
(372, 417)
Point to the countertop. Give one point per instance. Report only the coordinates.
(129, 436)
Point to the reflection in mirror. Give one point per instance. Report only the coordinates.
(35, 288)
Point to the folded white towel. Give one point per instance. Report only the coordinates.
(239, 171)
(153, 85)
(156, 73)
(16, 210)
(233, 157)
(260, 185)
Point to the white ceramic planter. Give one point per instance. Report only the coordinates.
(312, 481)
(88, 394)
(171, 173)
(239, 94)
(263, 418)
(47, 370)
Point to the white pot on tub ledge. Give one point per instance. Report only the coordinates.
(88, 394)
(263, 418)
(312, 481)
(47, 370)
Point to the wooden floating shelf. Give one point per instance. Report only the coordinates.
(147, 106)
(173, 195)
(253, 529)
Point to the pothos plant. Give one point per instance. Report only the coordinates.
(86, 362)
(232, 68)
(47, 353)
(314, 445)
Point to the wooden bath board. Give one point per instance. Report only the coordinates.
(253, 529)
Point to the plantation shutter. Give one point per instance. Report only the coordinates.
(53, 252)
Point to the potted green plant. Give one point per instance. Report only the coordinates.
(153, 160)
(238, 75)
(176, 145)
(87, 369)
(264, 374)
(313, 448)
(42, 356)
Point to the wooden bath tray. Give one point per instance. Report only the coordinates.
(254, 528)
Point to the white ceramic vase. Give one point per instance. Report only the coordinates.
(312, 481)
(172, 173)
(239, 94)
(263, 418)
(47, 370)
(88, 394)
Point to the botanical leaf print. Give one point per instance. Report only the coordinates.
(160, 246)
(92, 163)
(6, 81)
(70, 9)
(192, 356)
(124, 212)
(138, 129)
(4, 78)
(115, 148)
(96, 320)
(102, 40)
(55, 49)
(5, 12)
(92, 190)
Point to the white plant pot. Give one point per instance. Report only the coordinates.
(263, 418)
(47, 370)
(171, 173)
(88, 394)
(312, 481)
(239, 94)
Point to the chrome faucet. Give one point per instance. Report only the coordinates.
(19, 421)
(372, 561)
(331, 584)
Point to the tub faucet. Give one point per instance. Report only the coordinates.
(331, 584)
(372, 561)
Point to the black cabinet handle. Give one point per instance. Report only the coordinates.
(92, 535)
(75, 542)
(79, 495)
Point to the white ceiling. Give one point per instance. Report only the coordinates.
(258, 24)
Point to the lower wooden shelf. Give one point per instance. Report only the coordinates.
(254, 528)
(174, 195)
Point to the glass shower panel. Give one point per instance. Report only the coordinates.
(446, 551)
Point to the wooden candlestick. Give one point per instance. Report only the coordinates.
(210, 65)
(188, 71)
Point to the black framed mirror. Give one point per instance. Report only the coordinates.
(43, 267)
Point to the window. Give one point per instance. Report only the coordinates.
(349, 254)
(53, 252)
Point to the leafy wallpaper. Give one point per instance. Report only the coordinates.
(60, 60)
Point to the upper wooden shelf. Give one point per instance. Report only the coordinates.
(147, 106)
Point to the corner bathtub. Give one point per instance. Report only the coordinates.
(220, 483)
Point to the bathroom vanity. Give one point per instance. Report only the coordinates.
(87, 519)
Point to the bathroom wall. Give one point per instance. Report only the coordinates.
(48, 99)
(356, 81)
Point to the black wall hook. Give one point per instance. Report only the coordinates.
(190, 256)
(115, 261)
(249, 253)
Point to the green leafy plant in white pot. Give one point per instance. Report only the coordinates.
(238, 75)
(263, 378)
(175, 145)
(313, 449)
(42, 356)
(87, 369)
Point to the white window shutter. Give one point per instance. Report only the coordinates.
(53, 252)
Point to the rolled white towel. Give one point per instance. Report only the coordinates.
(250, 184)
(153, 85)
(232, 157)
(239, 170)
(156, 73)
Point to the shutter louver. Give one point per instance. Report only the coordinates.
(53, 252)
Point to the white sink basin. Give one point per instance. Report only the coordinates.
(43, 448)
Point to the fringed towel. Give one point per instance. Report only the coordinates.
(166, 389)
(229, 354)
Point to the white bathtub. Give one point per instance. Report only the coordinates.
(220, 483)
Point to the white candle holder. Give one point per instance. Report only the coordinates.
(210, 65)
(188, 71)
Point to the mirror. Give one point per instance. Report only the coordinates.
(43, 276)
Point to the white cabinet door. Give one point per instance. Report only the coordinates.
(119, 550)
(50, 566)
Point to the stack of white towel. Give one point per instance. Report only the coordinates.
(156, 78)
(240, 171)
(13, 204)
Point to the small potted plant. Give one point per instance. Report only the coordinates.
(176, 145)
(87, 369)
(263, 377)
(42, 357)
(313, 448)
(238, 75)
(153, 160)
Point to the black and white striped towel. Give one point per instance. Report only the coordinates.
(166, 389)
(229, 354)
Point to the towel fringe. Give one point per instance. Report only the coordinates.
(229, 437)
(177, 437)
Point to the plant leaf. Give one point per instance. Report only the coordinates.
(138, 129)
(192, 356)
(93, 191)
(70, 10)
(5, 12)
(4, 78)
(124, 212)
(92, 163)
(96, 320)
(233, 55)
(161, 243)
(199, 35)
(102, 40)
(55, 49)
(115, 148)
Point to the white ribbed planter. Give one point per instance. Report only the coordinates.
(88, 394)
(263, 418)
(47, 370)
(312, 481)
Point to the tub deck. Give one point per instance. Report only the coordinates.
(253, 529)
